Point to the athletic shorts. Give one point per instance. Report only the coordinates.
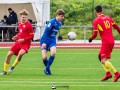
(49, 43)
(18, 46)
(106, 50)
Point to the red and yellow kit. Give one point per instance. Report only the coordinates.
(103, 24)
(25, 31)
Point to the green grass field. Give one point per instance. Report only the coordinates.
(73, 69)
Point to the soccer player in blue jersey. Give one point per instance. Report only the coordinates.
(48, 40)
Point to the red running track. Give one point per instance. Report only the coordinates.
(62, 45)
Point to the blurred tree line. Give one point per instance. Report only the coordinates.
(81, 13)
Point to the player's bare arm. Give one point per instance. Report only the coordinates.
(14, 38)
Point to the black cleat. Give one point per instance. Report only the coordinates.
(11, 69)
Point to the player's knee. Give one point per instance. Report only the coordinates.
(20, 57)
(53, 53)
(44, 57)
(99, 57)
(20, 54)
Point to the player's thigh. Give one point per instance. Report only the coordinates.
(15, 48)
(53, 50)
(103, 51)
(44, 53)
(25, 47)
(45, 48)
(109, 50)
(106, 50)
(10, 53)
(22, 52)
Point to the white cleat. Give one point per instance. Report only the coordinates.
(11, 69)
(3, 73)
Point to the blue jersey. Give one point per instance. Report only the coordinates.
(51, 30)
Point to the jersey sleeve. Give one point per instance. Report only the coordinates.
(95, 30)
(115, 25)
(30, 32)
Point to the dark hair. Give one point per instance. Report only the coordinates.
(5, 16)
(9, 9)
(60, 12)
(98, 8)
(2, 20)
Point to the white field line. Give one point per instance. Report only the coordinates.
(61, 86)
(51, 82)
(68, 68)
(21, 79)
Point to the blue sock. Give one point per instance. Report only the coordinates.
(45, 61)
(51, 59)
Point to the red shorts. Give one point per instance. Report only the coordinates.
(106, 50)
(18, 46)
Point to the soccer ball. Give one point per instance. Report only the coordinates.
(72, 35)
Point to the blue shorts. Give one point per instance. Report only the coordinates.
(49, 43)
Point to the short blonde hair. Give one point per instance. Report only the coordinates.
(24, 12)
(60, 12)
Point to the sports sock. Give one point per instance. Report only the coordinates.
(110, 67)
(6, 67)
(45, 61)
(105, 68)
(50, 61)
(15, 62)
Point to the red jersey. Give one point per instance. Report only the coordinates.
(103, 24)
(25, 31)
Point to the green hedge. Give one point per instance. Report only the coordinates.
(81, 12)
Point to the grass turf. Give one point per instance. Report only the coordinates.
(73, 69)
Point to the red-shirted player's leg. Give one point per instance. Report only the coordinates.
(108, 74)
(19, 57)
(107, 70)
(111, 68)
(103, 59)
(14, 49)
(108, 49)
(22, 51)
(7, 60)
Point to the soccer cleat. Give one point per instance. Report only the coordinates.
(11, 69)
(107, 76)
(116, 77)
(3, 73)
(47, 71)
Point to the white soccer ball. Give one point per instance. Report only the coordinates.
(72, 35)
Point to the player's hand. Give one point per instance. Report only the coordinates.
(21, 40)
(90, 40)
(43, 46)
(14, 38)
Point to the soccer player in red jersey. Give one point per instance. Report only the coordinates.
(103, 24)
(23, 41)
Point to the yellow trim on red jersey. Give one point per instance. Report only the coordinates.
(113, 23)
(95, 30)
(31, 33)
(99, 27)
